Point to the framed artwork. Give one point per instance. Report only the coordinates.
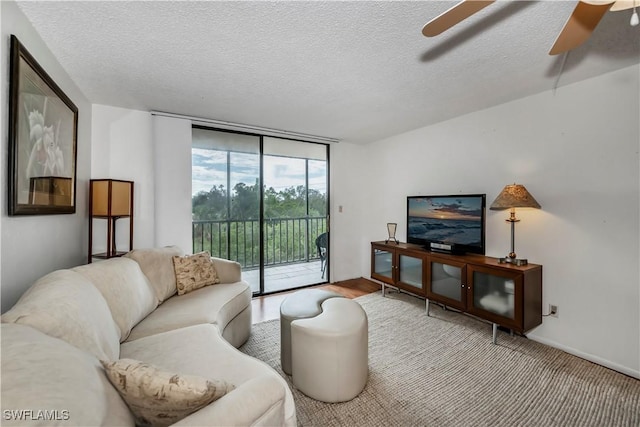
(43, 127)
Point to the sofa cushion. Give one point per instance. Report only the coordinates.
(65, 305)
(59, 384)
(161, 398)
(200, 350)
(125, 287)
(157, 265)
(194, 272)
(217, 304)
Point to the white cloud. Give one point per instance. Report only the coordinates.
(209, 168)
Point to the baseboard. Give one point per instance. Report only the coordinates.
(590, 357)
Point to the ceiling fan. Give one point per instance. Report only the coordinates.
(576, 31)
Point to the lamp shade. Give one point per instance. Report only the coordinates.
(111, 198)
(514, 196)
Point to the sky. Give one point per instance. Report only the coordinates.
(209, 167)
(460, 208)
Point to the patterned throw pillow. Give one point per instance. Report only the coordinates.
(160, 398)
(194, 272)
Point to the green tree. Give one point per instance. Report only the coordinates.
(317, 203)
(245, 201)
(210, 205)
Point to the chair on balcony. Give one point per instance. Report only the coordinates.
(322, 243)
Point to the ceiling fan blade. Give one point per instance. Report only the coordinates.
(453, 16)
(579, 26)
(624, 4)
(617, 5)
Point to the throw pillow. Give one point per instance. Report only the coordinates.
(161, 398)
(194, 272)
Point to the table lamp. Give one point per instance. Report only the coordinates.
(512, 197)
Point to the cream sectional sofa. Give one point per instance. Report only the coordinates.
(55, 336)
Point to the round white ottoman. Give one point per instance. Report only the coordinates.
(299, 305)
(330, 352)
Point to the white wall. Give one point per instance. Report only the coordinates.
(348, 191)
(576, 150)
(155, 153)
(172, 164)
(33, 246)
(122, 148)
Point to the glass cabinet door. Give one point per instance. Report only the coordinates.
(446, 283)
(382, 265)
(410, 273)
(494, 294)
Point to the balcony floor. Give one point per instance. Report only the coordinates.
(285, 277)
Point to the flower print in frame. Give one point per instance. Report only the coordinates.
(43, 124)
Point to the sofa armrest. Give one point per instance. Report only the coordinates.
(228, 271)
(257, 402)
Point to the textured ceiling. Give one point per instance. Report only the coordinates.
(358, 71)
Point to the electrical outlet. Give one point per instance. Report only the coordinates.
(553, 310)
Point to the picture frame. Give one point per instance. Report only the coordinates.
(43, 129)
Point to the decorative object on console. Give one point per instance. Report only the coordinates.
(391, 229)
(511, 197)
(43, 125)
(110, 199)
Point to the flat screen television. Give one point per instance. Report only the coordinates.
(453, 223)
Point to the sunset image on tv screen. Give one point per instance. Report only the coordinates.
(451, 220)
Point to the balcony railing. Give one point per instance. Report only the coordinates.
(286, 240)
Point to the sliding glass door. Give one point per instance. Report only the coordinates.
(263, 202)
(294, 213)
(226, 198)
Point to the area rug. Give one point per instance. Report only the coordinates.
(443, 370)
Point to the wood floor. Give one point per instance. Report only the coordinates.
(268, 307)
